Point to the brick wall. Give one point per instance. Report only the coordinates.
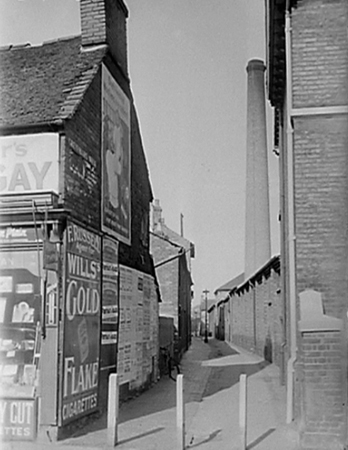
(93, 26)
(324, 397)
(104, 22)
(184, 304)
(168, 276)
(256, 318)
(242, 318)
(319, 53)
(321, 198)
(320, 71)
(319, 77)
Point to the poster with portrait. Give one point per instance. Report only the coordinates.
(116, 195)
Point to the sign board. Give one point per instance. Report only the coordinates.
(14, 235)
(29, 162)
(116, 160)
(81, 323)
(17, 419)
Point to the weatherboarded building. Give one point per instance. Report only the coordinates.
(78, 295)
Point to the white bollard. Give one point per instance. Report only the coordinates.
(113, 405)
(243, 410)
(180, 412)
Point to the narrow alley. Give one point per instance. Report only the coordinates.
(211, 390)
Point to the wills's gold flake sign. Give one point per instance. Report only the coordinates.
(81, 323)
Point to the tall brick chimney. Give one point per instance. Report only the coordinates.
(257, 221)
(104, 22)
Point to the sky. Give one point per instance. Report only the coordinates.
(187, 61)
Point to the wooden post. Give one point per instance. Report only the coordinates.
(243, 410)
(113, 404)
(180, 412)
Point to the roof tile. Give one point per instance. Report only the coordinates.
(45, 83)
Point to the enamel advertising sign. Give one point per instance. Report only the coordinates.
(116, 186)
(81, 323)
(17, 419)
(29, 162)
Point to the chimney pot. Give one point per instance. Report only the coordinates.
(104, 22)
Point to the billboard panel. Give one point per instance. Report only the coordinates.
(116, 195)
(29, 162)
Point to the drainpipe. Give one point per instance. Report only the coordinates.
(291, 219)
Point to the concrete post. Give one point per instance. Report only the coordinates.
(180, 412)
(243, 410)
(113, 406)
(257, 220)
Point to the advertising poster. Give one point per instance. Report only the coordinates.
(116, 196)
(110, 286)
(138, 332)
(110, 303)
(82, 311)
(29, 162)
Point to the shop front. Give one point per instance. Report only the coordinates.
(50, 296)
(50, 313)
(24, 291)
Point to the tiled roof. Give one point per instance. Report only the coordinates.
(44, 84)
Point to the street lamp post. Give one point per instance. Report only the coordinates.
(206, 292)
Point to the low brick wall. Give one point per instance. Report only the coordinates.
(255, 314)
(322, 391)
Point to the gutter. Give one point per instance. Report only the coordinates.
(291, 222)
(171, 258)
(38, 127)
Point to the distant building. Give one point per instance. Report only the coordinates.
(172, 258)
(222, 292)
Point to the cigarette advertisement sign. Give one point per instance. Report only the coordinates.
(17, 419)
(116, 196)
(29, 162)
(81, 323)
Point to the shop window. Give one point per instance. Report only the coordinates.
(20, 318)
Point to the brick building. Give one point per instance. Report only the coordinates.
(78, 292)
(172, 257)
(307, 64)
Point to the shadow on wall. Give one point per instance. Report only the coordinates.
(267, 350)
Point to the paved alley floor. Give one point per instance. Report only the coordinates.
(211, 391)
